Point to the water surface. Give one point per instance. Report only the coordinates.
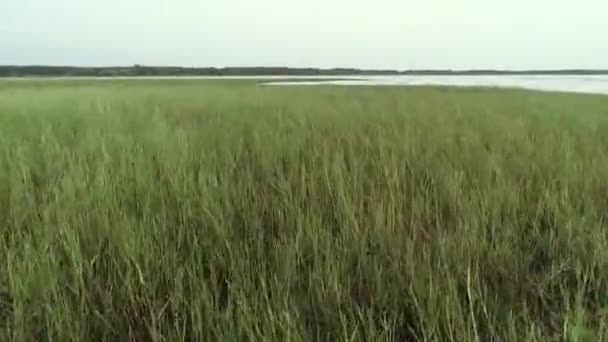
(594, 84)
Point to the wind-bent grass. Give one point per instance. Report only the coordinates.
(180, 211)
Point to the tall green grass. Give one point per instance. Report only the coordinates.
(192, 211)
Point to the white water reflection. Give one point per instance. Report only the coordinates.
(595, 84)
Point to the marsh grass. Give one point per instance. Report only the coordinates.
(182, 211)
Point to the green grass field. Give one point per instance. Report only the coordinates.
(226, 211)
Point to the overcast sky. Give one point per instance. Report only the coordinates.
(399, 34)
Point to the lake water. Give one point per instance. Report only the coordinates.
(593, 84)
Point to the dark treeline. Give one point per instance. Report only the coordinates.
(137, 70)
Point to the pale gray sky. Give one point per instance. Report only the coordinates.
(400, 34)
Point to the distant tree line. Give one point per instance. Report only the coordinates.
(138, 70)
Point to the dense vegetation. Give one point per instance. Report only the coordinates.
(139, 70)
(182, 210)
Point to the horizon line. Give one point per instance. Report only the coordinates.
(295, 68)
